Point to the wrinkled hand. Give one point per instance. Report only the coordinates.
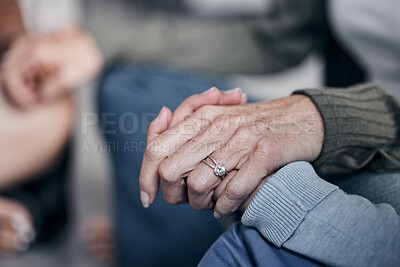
(166, 119)
(16, 229)
(42, 68)
(251, 140)
(212, 96)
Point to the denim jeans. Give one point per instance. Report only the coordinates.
(244, 246)
(129, 98)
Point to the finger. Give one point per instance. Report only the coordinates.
(162, 146)
(202, 182)
(160, 124)
(210, 97)
(190, 155)
(231, 97)
(200, 195)
(5, 222)
(192, 103)
(174, 191)
(243, 100)
(239, 188)
(232, 155)
(246, 203)
(10, 242)
(149, 179)
(15, 72)
(49, 89)
(48, 81)
(220, 188)
(19, 88)
(11, 210)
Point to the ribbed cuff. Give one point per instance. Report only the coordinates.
(359, 118)
(283, 202)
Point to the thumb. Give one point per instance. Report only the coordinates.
(149, 182)
(160, 124)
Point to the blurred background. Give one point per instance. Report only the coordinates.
(152, 23)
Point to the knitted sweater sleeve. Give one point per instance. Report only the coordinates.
(362, 129)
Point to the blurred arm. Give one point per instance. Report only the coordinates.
(274, 42)
(31, 140)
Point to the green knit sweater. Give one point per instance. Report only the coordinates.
(362, 129)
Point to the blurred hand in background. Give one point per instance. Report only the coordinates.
(16, 227)
(37, 69)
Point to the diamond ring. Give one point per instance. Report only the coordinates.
(219, 169)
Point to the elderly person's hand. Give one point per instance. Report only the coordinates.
(16, 227)
(41, 68)
(252, 141)
(212, 96)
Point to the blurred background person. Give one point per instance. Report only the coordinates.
(35, 142)
(32, 159)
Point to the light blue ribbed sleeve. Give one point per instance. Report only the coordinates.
(299, 211)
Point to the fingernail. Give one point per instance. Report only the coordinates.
(24, 229)
(209, 90)
(232, 91)
(145, 199)
(216, 215)
(19, 222)
(244, 96)
(27, 236)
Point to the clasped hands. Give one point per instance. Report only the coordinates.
(39, 69)
(252, 140)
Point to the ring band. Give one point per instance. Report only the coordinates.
(219, 168)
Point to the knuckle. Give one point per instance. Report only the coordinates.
(244, 131)
(171, 195)
(192, 146)
(167, 172)
(196, 186)
(263, 148)
(219, 125)
(235, 191)
(193, 122)
(221, 119)
(154, 151)
(198, 206)
(150, 154)
(201, 203)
